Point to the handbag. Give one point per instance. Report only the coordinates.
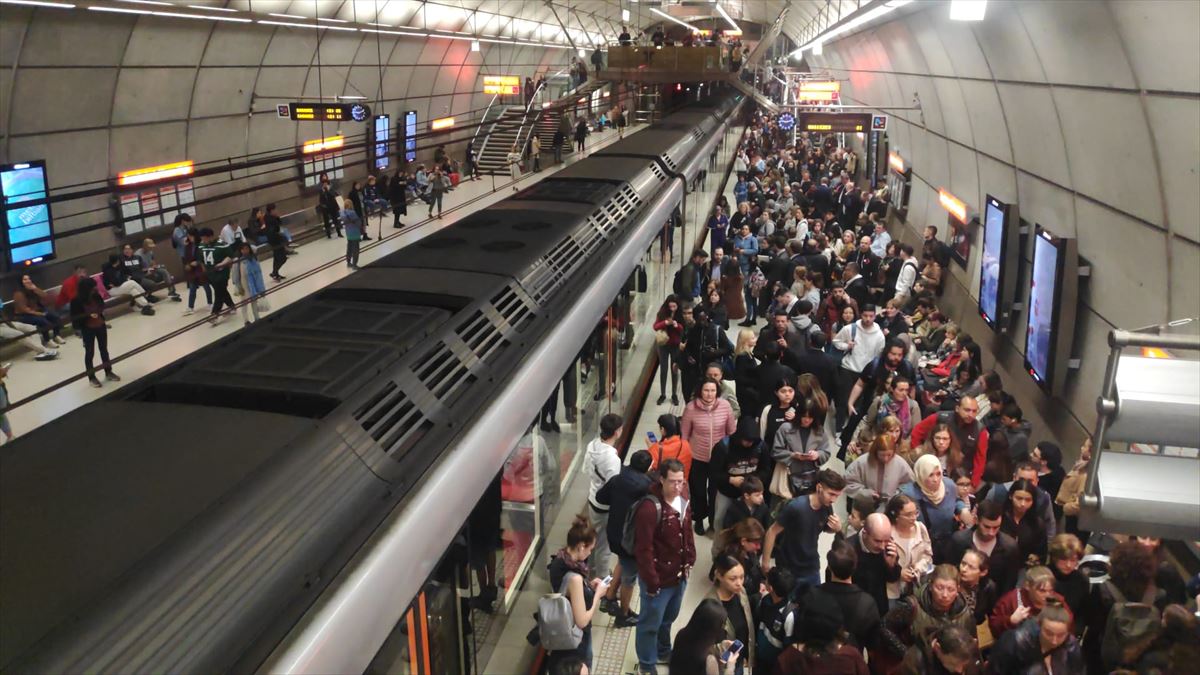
(661, 337)
(780, 483)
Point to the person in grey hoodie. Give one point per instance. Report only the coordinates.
(1016, 429)
(802, 446)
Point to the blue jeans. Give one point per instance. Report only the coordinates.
(653, 635)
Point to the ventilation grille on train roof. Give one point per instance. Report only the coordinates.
(393, 420)
(670, 162)
(560, 190)
(565, 259)
(658, 171)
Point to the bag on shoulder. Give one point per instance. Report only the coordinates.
(556, 620)
(629, 528)
(1130, 629)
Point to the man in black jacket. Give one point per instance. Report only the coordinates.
(816, 362)
(620, 493)
(328, 206)
(860, 614)
(877, 559)
(1004, 558)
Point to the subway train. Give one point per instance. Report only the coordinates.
(275, 501)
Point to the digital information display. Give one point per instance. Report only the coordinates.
(989, 267)
(835, 122)
(28, 225)
(328, 112)
(1039, 336)
(410, 135)
(503, 85)
(155, 206)
(380, 141)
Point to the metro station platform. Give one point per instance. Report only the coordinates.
(139, 344)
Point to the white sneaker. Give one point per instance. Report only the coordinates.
(189, 311)
(60, 340)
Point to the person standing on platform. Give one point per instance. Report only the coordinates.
(535, 151)
(514, 165)
(277, 241)
(87, 315)
(398, 194)
(327, 204)
(706, 420)
(560, 139)
(621, 494)
(862, 341)
(718, 227)
(603, 463)
(216, 258)
(665, 552)
(439, 184)
(472, 167)
(248, 279)
(800, 524)
(354, 230)
(581, 132)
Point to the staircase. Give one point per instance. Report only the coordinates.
(547, 125)
(499, 140)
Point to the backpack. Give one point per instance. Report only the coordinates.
(628, 529)
(1130, 629)
(556, 620)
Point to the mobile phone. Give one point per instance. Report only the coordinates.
(733, 649)
(653, 439)
(606, 580)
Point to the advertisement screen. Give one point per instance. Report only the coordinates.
(1040, 334)
(989, 269)
(410, 136)
(27, 219)
(383, 125)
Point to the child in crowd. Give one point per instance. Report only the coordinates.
(777, 618)
(751, 505)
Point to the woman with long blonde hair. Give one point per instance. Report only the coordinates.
(745, 370)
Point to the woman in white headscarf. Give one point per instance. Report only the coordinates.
(938, 504)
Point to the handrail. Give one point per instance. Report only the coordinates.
(483, 119)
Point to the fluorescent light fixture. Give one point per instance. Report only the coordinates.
(475, 45)
(213, 9)
(149, 2)
(725, 15)
(351, 98)
(383, 25)
(320, 18)
(156, 173)
(198, 16)
(624, 15)
(861, 19)
(117, 10)
(282, 16)
(967, 10)
(582, 53)
(372, 30)
(38, 3)
(671, 18)
(310, 25)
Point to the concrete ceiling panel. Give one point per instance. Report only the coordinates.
(80, 98)
(223, 91)
(1046, 204)
(325, 81)
(996, 179)
(1128, 281)
(962, 49)
(934, 57)
(1176, 123)
(1185, 292)
(374, 49)
(291, 46)
(904, 54)
(87, 150)
(221, 138)
(76, 39)
(964, 176)
(269, 133)
(930, 104)
(363, 81)
(339, 47)
(147, 145)
(934, 157)
(237, 45)
(954, 112)
(407, 52)
(1036, 136)
(1106, 132)
(13, 21)
(1077, 43)
(152, 94)
(987, 118)
(1159, 36)
(1006, 44)
(280, 85)
(163, 43)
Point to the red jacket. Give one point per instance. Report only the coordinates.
(925, 427)
(1007, 604)
(66, 292)
(666, 549)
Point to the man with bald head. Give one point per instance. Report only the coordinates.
(877, 556)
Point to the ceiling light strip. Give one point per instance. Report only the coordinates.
(38, 3)
(213, 9)
(671, 18)
(305, 25)
(725, 15)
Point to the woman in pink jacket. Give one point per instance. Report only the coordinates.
(706, 420)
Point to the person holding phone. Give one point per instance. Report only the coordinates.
(729, 586)
(701, 647)
(569, 565)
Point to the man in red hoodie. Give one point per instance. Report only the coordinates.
(972, 436)
(666, 551)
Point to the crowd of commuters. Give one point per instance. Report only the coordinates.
(957, 550)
